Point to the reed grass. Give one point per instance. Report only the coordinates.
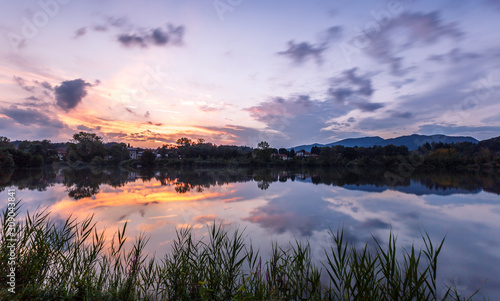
(73, 261)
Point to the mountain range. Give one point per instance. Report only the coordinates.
(412, 141)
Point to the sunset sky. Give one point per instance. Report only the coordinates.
(241, 71)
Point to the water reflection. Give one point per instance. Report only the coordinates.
(283, 205)
(85, 182)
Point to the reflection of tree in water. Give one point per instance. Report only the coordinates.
(31, 179)
(85, 182)
(263, 185)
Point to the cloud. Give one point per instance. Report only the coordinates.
(420, 29)
(368, 106)
(80, 32)
(301, 52)
(332, 34)
(406, 115)
(478, 132)
(70, 93)
(171, 35)
(355, 90)
(307, 120)
(21, 82)
(400, 83)
(299, 118)
(456, 55)
(88, 129)
(349, 84)
(30, 117)
(213, 107)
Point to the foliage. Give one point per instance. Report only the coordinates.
(5, 142)
(73, 261)
(87, 146)
(6, 161)
(147, 158)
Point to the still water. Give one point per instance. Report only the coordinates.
(283, 206)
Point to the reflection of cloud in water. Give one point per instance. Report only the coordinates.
(289, 210)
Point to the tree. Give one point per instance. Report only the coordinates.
(5, 142)
(118, 153)
(263, 145)
(292, 153)
(315, 150)
(263, 151)
(148, 158)
(6, 161)
(88, 145)
(184, 141)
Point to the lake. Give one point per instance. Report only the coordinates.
(287, 205)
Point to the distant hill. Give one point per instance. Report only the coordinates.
(412, 141)
(493, 144)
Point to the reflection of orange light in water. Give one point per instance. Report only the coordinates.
(112, 199)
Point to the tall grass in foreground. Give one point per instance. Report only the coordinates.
(74, 262)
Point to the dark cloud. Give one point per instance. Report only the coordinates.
(147, 114)
(420, 29)
(406, 115)
(33, 98)
(29, 117)
(171, 35)
(80, 32)
(368, 106)
(349, 84)
(301, 52)
(455, 56)
(22, 83)
(84, 128)
(351, 120)
(70, 93)
(131, 40)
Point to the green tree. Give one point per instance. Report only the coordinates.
(5, 142)
(6, 161)
(118, 152)
(184, 141)
(263, 145)
(88, 145)
(148, 158)
(263, 151)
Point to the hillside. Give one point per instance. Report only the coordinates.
(411, 141)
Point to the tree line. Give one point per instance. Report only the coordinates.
(88, 148)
